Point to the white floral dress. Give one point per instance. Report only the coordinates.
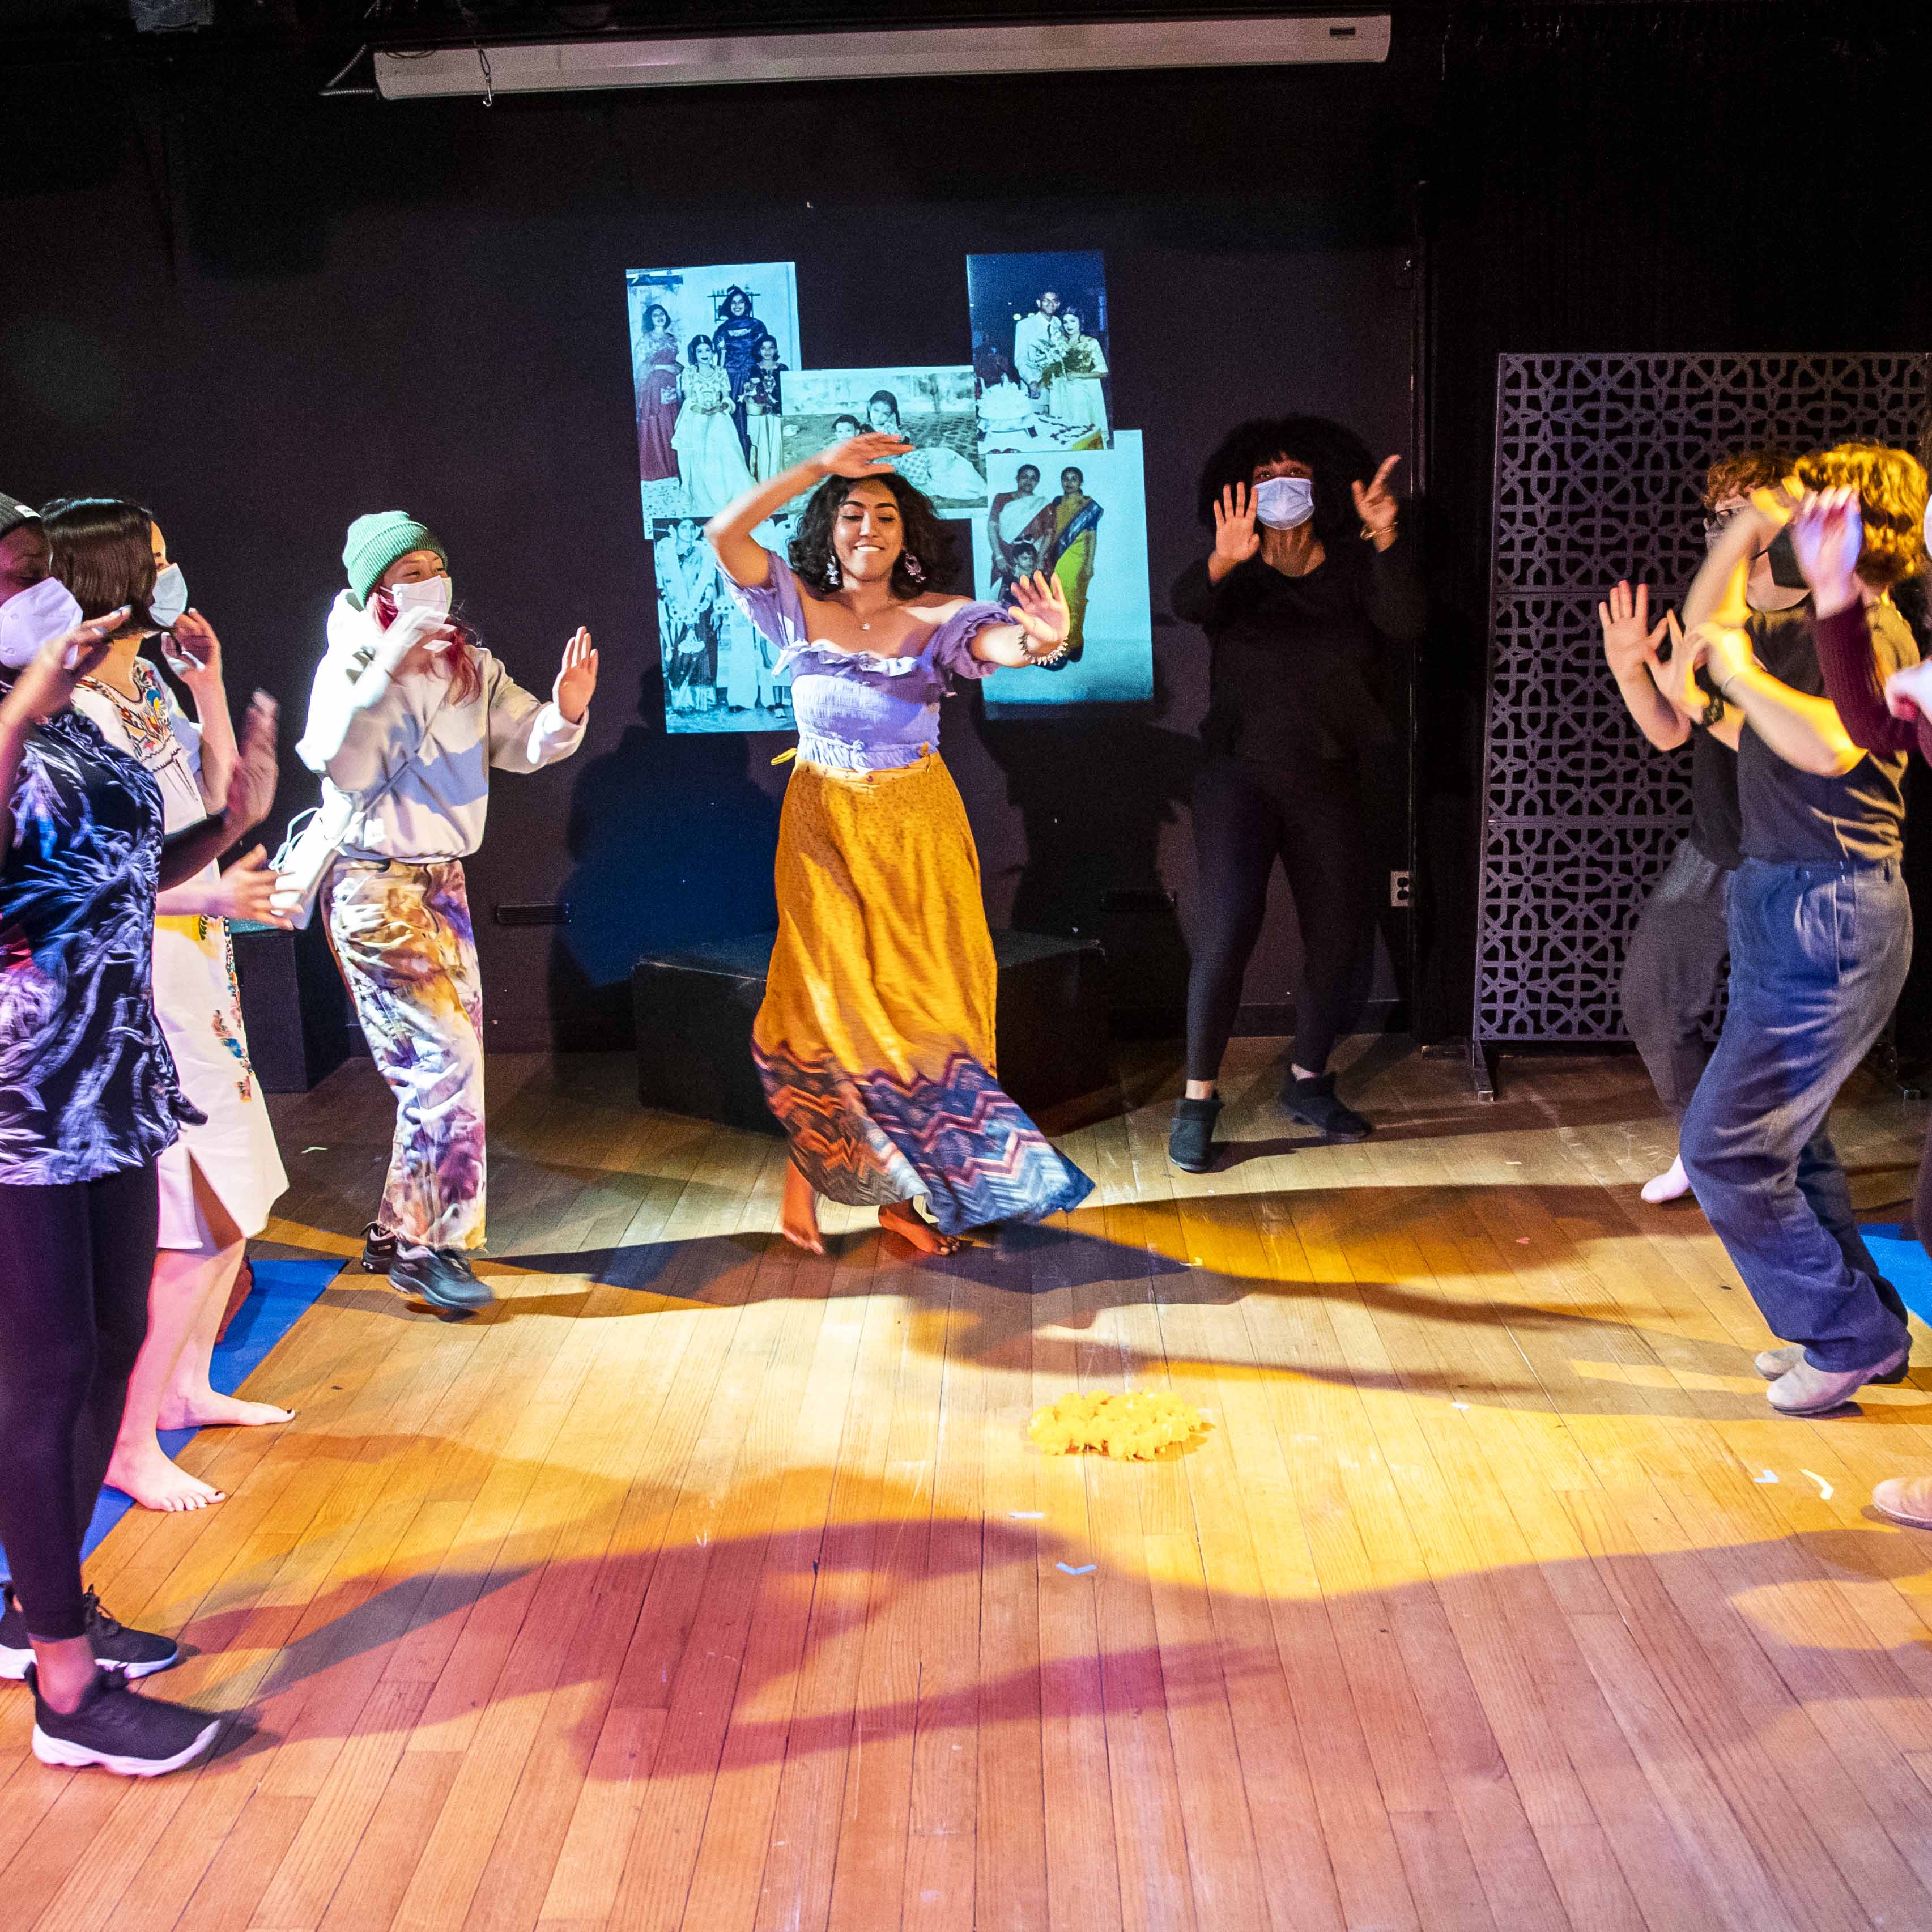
(195, 992)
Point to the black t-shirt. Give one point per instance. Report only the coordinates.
(1716, 819)
(1791, 815)
(1288, 675)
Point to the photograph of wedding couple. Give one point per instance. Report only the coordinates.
(1040, 357)
(719, 674)
(1082, 519)
(710, 351)
(932, 408)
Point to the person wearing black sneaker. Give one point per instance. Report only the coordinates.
(88, 1099)
(1308, 581)
(409, 717)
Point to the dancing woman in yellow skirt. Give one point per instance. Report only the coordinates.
(875, 1039)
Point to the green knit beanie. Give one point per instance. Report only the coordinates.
(376, 541)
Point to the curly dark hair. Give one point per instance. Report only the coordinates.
(925, 536)
(1337, 456)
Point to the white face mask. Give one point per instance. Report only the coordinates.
(167, 604)
(1283, 501)
(431, 594)
(28, 621)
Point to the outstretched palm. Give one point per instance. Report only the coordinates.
(1235, 538)
(1039, 609)
(577, 681)
(868, 455)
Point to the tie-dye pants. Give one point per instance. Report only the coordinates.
(403, 938)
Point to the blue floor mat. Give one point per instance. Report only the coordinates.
(283, 1291)
(1905, 1264)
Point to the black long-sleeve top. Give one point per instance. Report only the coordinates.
(1288, 675)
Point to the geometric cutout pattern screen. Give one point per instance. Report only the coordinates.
(1599, 474)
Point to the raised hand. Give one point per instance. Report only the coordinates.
(193, 651)
(1674, 675)
(577, 681)
(1629, 639)
(1235, 538)
(1828, 532)
(1378, 505)
(46, 682)
(249, 889)
(1039, 609)
(1908, 692)
(251, 791)
(868, 455)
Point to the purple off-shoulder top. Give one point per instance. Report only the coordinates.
(857, 713)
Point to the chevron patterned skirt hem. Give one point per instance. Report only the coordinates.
(875, 1039)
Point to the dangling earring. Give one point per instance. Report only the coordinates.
(914, 569)
(831, 573)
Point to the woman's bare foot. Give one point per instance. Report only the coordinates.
(146, 1475)
(904, 1220)
(798, 1213)
(213, 1410)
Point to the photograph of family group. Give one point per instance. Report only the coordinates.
(1082, 519)
(1040, 362)
(719, 674)
(932, 408)
(710, 349)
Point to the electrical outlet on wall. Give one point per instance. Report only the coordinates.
(1398, 889)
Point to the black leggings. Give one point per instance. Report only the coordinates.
(75, 1263)
(1245, 817)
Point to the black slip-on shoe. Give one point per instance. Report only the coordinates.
(1313, 1103)
(138, 1653)
(378, 1249)
(130, 1735)
(443, 1278)
(1190, 1139)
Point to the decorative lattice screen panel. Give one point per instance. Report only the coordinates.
(1600, 460)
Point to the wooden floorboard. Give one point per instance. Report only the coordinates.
(705, 1586)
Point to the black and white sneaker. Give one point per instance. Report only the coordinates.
(138, 1653)
(130, 1735)
(378, 1249)
(440, 1276)
(1312, 1102)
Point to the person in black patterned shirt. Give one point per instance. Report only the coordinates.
(88, 1099)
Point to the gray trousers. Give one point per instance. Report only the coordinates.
(1672, 971)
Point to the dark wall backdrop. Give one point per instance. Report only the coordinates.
(263, 312)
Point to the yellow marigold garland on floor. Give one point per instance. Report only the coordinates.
(1129, 1428)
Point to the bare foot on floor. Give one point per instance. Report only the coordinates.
(798, 1213)
(216, 1410)
(904, 1220)
(156, 1484)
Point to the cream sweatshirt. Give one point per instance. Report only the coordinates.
(364, 721)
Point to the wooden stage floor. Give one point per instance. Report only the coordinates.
(702, 1586)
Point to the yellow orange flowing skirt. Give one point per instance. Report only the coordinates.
(875, 1039)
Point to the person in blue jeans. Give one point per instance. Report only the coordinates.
(1821, 939)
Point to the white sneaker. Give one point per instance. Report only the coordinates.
(1672, 1184)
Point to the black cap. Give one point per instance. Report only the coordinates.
(13, 513)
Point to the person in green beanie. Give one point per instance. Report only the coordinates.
(408, 717)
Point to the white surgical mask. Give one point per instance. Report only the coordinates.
(1283, 501)
(167, 603)
(29, 620)
(431, 594)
